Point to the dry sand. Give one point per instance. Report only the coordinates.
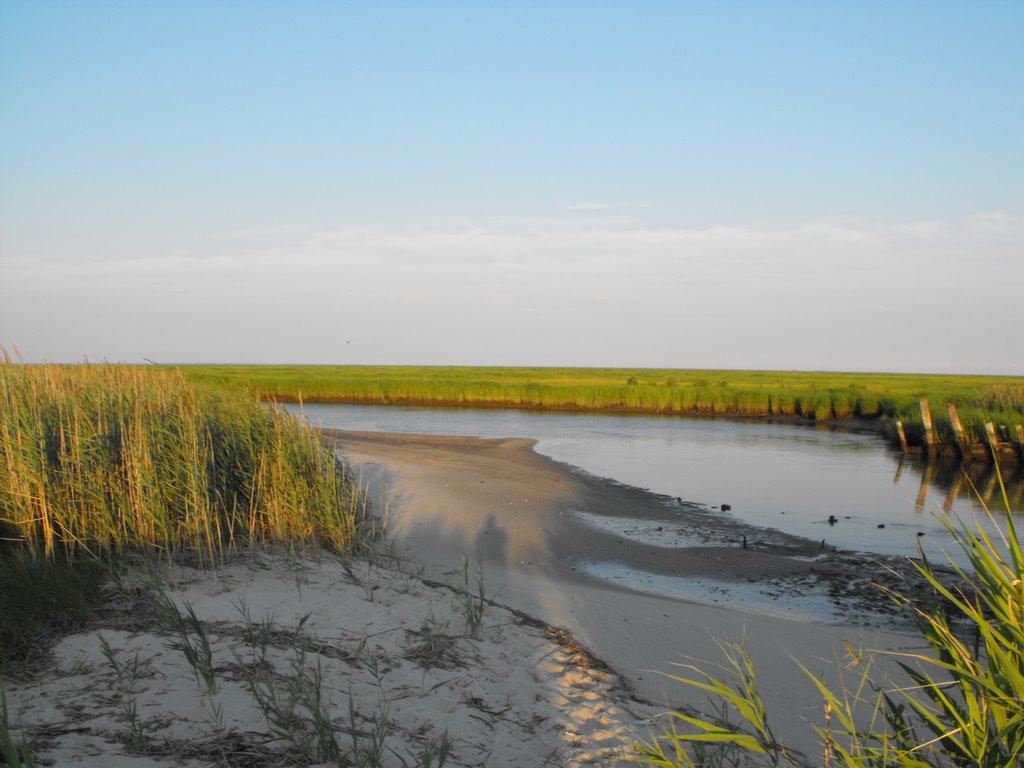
(518, 694)
(389, 637)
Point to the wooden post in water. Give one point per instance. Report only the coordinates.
(958, 430)
(1020, 440)
(929, 432)
(902, 434)
(993, 441)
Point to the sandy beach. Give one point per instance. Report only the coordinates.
(531, 523)
(560, 665)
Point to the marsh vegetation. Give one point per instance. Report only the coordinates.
(881, 398)
(103, 461)
(100, 459)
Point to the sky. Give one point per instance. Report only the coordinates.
(751, 185)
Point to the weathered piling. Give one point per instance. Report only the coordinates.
(990, 433)
(999, 444)
(958, 430)
(902, 435)
(929, 431)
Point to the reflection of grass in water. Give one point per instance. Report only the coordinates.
(811, 395)
(981, 481)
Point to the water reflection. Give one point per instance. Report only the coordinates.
(970, 481)
(967, 483)
(790, 477)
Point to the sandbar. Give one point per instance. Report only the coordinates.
(528, 523)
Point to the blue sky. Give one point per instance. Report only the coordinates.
(744, 185)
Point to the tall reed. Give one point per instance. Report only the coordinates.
(102, 458)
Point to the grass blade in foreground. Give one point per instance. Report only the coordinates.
(9, 751)
(742, 697)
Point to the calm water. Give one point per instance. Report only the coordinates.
(789, 477)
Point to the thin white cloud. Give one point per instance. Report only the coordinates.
(257, 233)
(995, 217)
(595, 206)
(836, 290)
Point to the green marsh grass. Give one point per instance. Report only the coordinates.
(815, 396)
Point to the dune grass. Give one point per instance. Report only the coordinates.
(816, 396)
(42, 597)
(98, 461)
(958, 701)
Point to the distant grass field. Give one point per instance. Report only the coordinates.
(814, 396)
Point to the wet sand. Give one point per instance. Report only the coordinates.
(537, 530)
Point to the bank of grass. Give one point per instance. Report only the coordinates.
(960, 701)
(98, 461)
(43, 597)
(815, 396)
